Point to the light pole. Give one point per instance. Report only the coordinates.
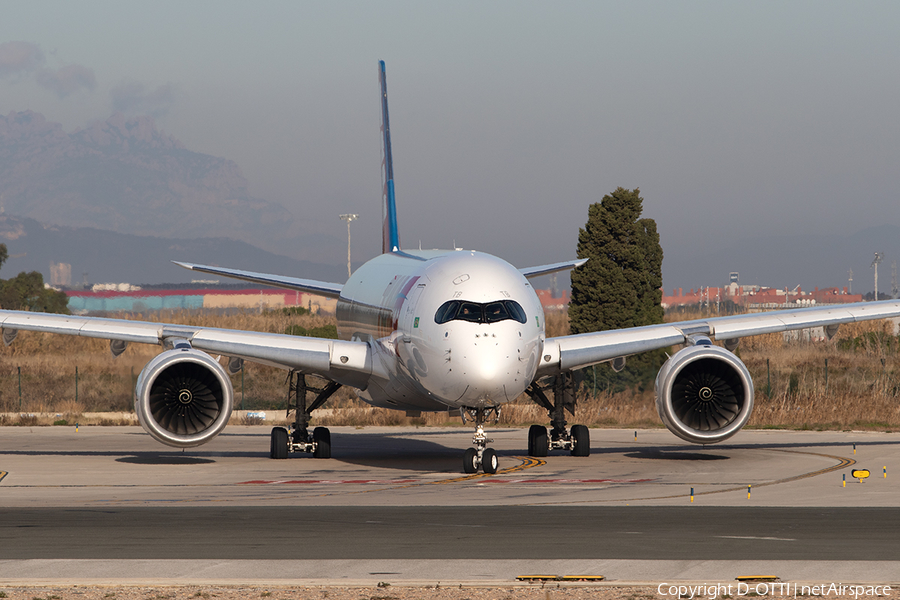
(878, 257)
(348, 218)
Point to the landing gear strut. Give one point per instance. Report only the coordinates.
(480, 455)
(298, 438)
(578, 440)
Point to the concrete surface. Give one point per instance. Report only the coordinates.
(561, 514)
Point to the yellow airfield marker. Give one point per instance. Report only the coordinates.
(885, 472)
(844, 477)
(748, 492)
(560, 577)
(860, 474)
(692, 495)
(757, 578)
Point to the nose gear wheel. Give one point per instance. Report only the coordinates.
(480, 455)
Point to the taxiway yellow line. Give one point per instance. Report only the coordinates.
(842, 463)
(528, 462)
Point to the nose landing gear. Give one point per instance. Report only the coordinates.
(480, 455)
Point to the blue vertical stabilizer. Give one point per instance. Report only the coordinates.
(390, 235)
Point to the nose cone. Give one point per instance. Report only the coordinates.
(491, 364)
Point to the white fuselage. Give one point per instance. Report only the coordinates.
(485, 350)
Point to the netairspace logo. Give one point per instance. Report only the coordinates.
(721, 590)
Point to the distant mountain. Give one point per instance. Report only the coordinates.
(124, 175)
(109, 257)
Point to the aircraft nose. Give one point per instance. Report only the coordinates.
(491, 364)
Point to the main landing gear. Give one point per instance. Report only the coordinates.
(298, 437)
(578, 440)
(480, 455)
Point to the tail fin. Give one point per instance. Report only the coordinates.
(390, 236)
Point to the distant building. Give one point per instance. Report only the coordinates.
(758, 297)
(115, 287)
(549, 302)
(60, 275)
(137, 300)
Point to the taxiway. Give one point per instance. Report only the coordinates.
(110, 504)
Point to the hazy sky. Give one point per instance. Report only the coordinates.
(736, 120)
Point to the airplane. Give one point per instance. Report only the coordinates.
(437, 330)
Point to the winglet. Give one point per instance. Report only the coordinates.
(390, 237)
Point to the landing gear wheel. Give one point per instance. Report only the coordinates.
(322, 439)
(278, 445)
(489, 461)
(470, 461)
(581, 437)
(537, 441)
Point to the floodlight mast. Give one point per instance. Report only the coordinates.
(879, 256)
(348, 217)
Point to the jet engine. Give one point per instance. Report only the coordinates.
(183, 398)
(704, 394)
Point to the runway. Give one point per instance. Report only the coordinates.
(110, 504)
(452, 533)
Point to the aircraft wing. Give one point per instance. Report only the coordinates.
(329, 290)
(569, 352)
(337, 360)
(530, 272)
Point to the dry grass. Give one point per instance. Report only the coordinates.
(862, 390)
(43, 366)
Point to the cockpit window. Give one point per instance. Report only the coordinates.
(495, 311)
(474, 312)
(447, 312)
(516, 312)
(470, 311)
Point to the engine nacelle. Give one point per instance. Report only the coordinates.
(183, 398)
(704, 394)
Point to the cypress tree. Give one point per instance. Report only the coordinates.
(620, 286)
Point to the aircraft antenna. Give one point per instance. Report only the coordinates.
(879, 256)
